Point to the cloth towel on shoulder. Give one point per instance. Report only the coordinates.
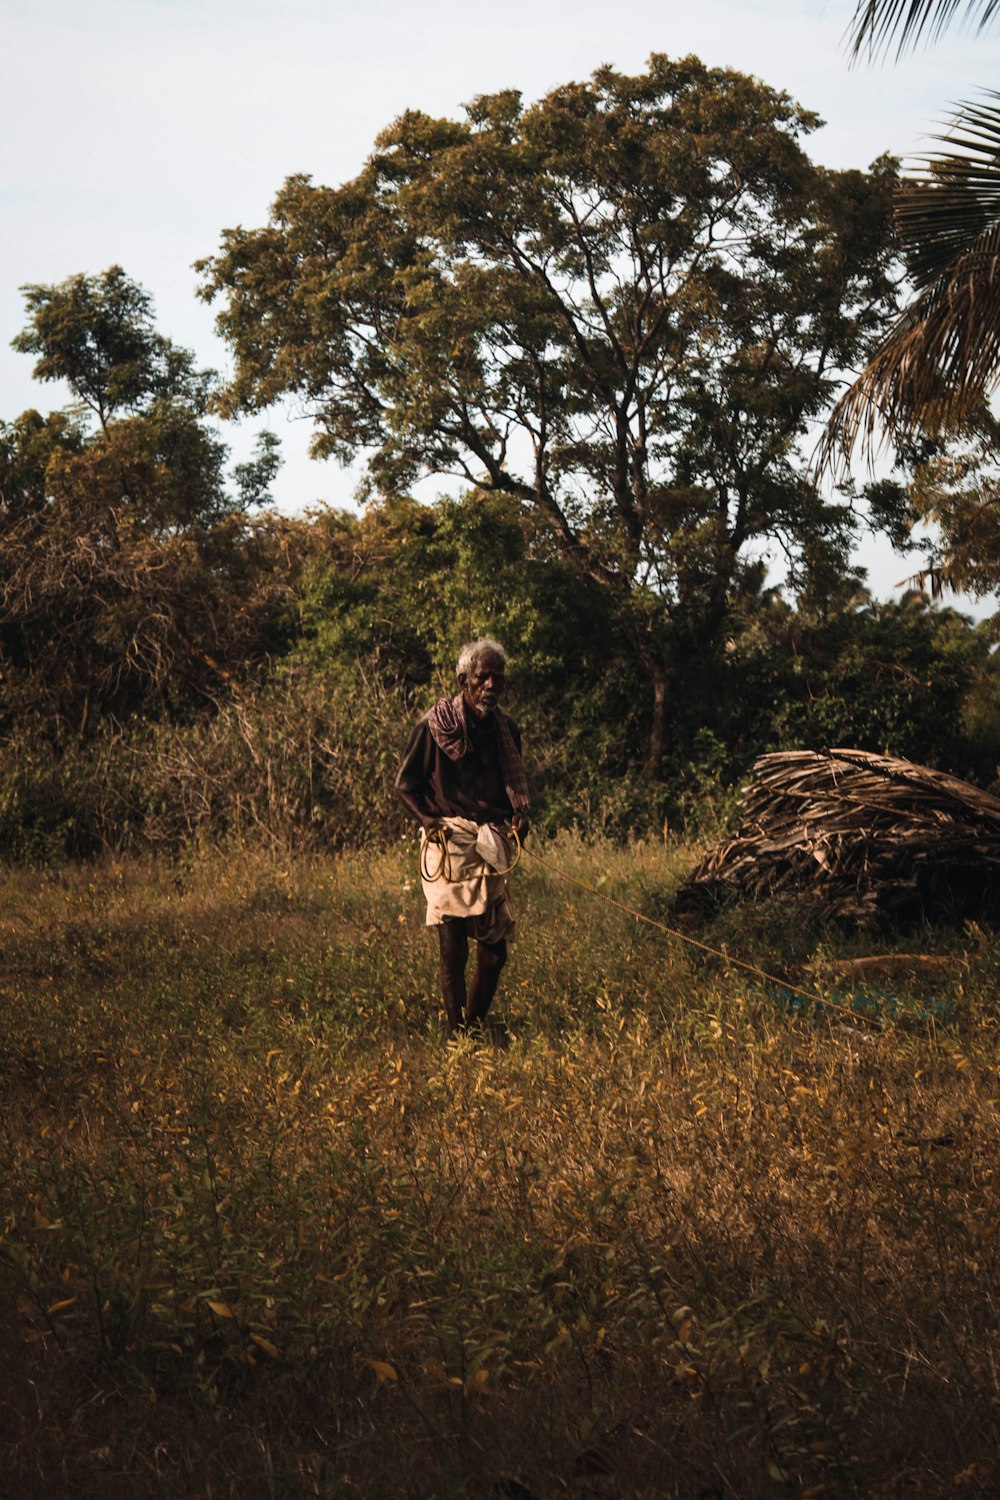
(450, 730)
(476, 853)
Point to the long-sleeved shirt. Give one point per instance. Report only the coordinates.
(470, 787)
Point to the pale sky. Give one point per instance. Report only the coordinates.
(134, 131)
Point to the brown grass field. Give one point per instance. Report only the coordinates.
(670, 1233)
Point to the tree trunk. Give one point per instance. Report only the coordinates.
(656, 749)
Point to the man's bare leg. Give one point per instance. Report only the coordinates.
(490, 959)
(453, 941)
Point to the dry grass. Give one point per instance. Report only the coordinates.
(264, 1234)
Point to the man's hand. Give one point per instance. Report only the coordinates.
(520, 825)
(416, 807)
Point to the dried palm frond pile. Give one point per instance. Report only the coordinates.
(863, 837)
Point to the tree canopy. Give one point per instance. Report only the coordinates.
(621, 306)
(97, 334)
(127, 570)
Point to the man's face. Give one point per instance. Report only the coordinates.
(483, 685)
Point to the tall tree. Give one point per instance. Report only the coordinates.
(127, 571)
(97, 334)
(622, 306)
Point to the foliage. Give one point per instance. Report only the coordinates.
(262, 1233)
(621, 306)
(953, 490)
(876, 22)
(942, 356)
(97, 334)
(403, 586)
(302, 754)
(890, 676)
(176, 670)
(294, 763)
(129, 578)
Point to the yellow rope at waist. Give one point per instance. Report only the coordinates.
(438, 839)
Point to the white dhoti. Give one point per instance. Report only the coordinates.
(470, 880)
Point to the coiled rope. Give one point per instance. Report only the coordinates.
(438, 839)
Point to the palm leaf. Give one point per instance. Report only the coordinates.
(876, 23)
(943, 353)
(942, 213)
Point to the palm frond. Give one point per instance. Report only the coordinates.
(943, 353)
(943, 211)
(876, 23)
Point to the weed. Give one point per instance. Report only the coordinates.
(263, 1233)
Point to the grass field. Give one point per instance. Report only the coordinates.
(264, 1233)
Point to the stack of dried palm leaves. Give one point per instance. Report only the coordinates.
(862, 836)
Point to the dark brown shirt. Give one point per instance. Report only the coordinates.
(470, 787)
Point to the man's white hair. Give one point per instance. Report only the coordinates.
(475, 651)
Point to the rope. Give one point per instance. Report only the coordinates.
(512, 833)
(685, 937)
(438, 839)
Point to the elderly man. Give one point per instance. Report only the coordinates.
(463, 778)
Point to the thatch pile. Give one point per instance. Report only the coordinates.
(863, 836)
